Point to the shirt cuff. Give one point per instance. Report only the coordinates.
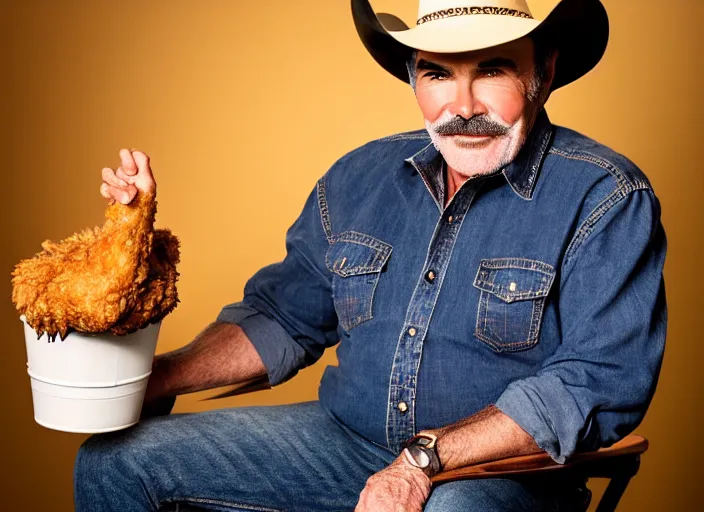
(281, 355)
(517, 404)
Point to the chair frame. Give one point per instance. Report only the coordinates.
(619, 463)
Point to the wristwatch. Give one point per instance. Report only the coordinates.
(421, 451)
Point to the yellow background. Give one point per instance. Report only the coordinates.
(242, 106)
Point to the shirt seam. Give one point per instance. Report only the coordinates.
(587, 227)
(324, 211)
(415, 135)
(623, 182)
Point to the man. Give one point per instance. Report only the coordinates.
(494, 283)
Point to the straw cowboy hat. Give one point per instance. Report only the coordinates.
(577, 29)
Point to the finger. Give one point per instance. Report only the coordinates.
(110, 178)
(142, 161)
(131, 193)
(104, 191)
(121, 174)
(121, 195)
(128, 164)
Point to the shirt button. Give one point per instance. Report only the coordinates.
(512, 287)
(430, 276)
(450, 219)
(403, 407)
(412, 331)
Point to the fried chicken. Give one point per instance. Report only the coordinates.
(116, 278)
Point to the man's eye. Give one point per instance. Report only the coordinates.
(435, 75)
(492, 73)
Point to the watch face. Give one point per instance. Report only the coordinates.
(419, 455)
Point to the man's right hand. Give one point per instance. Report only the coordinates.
(134, 174)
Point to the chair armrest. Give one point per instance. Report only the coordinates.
(629, 447)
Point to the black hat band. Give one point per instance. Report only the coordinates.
(468, 11)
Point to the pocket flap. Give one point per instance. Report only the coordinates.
(353, 253)
(513, 279)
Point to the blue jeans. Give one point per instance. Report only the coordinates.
(283, 458)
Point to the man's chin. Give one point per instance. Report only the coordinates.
(471, 161)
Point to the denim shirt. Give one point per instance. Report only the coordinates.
(538, 289)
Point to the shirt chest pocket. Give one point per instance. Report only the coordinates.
(513, 294)
(356, 261)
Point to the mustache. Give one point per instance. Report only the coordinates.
(476, 125)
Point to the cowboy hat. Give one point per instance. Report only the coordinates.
(577, 29)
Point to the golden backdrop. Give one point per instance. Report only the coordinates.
(242, 106)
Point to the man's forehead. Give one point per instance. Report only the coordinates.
(516, 50)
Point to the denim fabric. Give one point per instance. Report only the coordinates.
(294, 458)
(538, 289)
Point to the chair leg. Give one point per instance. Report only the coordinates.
(613, 493)
(617, 485)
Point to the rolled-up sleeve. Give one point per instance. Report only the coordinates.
(596, 387)
(287, 310)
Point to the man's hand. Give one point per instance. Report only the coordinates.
(397, 488)
(134, 174)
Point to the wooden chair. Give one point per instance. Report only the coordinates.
(619, 462)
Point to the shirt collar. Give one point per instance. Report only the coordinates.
(521, 174)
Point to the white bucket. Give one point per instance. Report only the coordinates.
(89, 383)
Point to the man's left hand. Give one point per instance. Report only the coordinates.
(398, 488)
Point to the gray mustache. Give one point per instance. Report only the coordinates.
(477, 125)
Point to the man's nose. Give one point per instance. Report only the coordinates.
(465, 104)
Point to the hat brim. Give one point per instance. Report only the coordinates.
(577, 29)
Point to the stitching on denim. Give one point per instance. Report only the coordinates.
(370, 310)
(536, 316)
(414, 135)
(509, 297)
(324, 212)
(381, 250)
(421, 330)
(538, 297)
(481, 315)
(495, 265)
(517, 263)
(351, 323)
(623, 182)
(209, 501)
(421, 171)
(381, 253)
(584, 156)
(505, 347)
(526, 192)
(587, 226)
(412, 159)
(439, 282)
(362, 239)
(533, 331)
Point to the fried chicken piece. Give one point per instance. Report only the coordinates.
(109, 279)
(157, 295)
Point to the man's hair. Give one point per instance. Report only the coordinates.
(542, 53)
(411, 68)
